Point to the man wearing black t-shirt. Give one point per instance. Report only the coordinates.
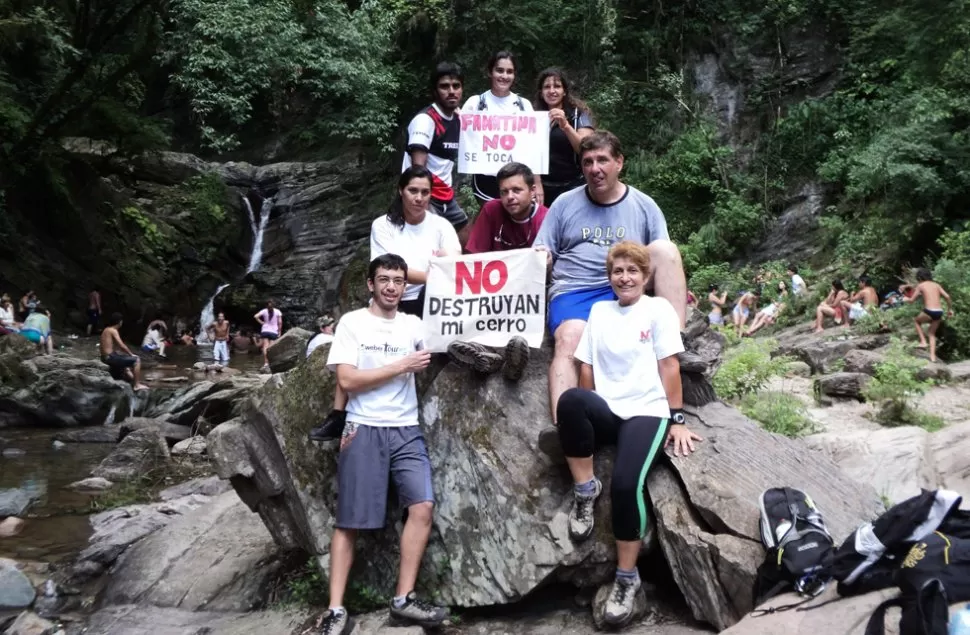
(433, 143)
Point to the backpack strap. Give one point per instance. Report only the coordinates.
(481, 102)
(877, 621)
(518, 102)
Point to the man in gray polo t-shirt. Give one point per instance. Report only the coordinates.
(578, 232)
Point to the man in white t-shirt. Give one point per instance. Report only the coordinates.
(325, 324)
(375, 353)
(797, 282)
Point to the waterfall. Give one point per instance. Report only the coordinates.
(208, 316)
(255, 259)
(110, 419)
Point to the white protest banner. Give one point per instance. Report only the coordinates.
(488, 141)
(486, 298)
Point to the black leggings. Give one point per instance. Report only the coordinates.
(585, 421)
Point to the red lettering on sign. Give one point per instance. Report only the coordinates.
(483, 276)
(491, 142)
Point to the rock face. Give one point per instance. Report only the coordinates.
(133, 619)
(700, 359)
(100, 434)
(217, 401)
(707, 512)
(288, 350)
(56, 390)
(219, 557)
(822, 352)
(138, 454)
(171, 432)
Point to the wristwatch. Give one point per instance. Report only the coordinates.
(678, 418)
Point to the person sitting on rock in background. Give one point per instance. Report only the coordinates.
(767, 315)
(860, 303)
(570, 122)
(333, 425)
(830, 306)
(411, 231)
(28, 303)
(798, 286)
(121, 363)
(433, 143)
(716, 316)
(218, 332)
(577, 233)
(94, 310)
(154, 340)
(630, 395)
(498, 100)
(7, 316)
(37, 329)
(270, 327)
(742, 309)
(931, 292)
(375, 353)
(325, 336)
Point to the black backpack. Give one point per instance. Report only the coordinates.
(484, 106)
(934, 573)
(799, 546)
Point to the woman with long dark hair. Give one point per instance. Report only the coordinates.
(498, 99)
(571, 120)
(828, 306)
(412, 232)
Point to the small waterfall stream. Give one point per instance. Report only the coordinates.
(255, 260)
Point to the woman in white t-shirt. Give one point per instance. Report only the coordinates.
(499, 99)
(629, 394)
(412, 232)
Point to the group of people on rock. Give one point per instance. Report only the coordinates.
(615, 373)
(30, 318)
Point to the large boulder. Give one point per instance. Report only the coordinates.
(500, 521)
(219, 557)
(824, 351)
(288, 350)
(138, 454)
(57, 390)
(171, 432)
(217, 401)
(707, 511)
(16, 591)
(842, 385)
(863, 361)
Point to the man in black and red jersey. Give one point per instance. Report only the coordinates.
(433, 143)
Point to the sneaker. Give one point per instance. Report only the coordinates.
(475, 356)
(619, 606)
(336, 624)
(516, 358)
(581, 515)
(331, 428)
(419, 612)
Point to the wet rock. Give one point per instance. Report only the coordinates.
(208, 486)
(218, 401)
(706, 507)
(117, 529)
(28, 623)
(57, 390)
(92, 484)
(16, 591)
(58, 445)
(97, 434)
(193, 446)
(171, 432)
(11, 526)
(217, 557)
(824, 351)
(12, 453)
(288, 350)
(198, 366)
(15, 501)
(138, 454)
(843, 385)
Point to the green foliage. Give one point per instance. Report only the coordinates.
(307, 586)
(778, 412)
(952, 271)
(748, 367)
(149, 230)
(895, 385)
(205, 197)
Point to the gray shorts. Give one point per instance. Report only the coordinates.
(368, 456)
(450, 211)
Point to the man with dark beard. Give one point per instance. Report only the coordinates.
(375, 353)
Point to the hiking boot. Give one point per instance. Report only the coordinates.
(581, 515)
(516, 358)
(619, 606)
(550, 445)
(331, 428)
(475, 356)
(419, 612)
(336, 623)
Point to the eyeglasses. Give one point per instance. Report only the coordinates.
(526, 243)
(386, 280)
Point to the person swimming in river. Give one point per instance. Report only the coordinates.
(121, 362)
(932, 313)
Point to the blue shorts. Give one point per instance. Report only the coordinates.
(149, 347)
(32, 335)
(575, 305)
